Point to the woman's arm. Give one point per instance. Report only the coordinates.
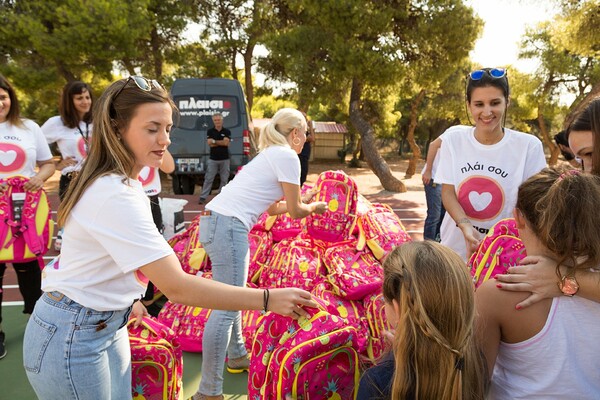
(537, 274)
(45, 171)
(457, 213)
(431, 153)
(294, 203)
(179, 287)
(487, 323)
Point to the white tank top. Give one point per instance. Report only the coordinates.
(562, 361)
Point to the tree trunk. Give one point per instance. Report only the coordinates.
(546, 139)
(156, 54)
(248, 73)
(414, 107)
(374, 159)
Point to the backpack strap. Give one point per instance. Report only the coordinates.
(6, 222)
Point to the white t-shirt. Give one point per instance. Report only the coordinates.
(559, 362)
(21, 149)
(108, 236)
(71, 141)
(486, 178)
(150, 178)
(258, 185)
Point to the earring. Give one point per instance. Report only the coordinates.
(294, 141)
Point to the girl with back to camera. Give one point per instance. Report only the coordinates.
(260, 186)
(429, 298)
(481, 166)
(23, 147)
(76, 344)
(538, 276)
(550, 349)
(71, 131)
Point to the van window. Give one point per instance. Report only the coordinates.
(196, 111)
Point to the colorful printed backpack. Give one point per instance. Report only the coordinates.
(189, 251)
(26, 228)
(351, 311)
(260, 242)
(283, 226)
(156, 361)
(381, 230)
(378, 324)
(500, 249)
(340, 193)
(311, 358)
(353, 273)
(294, 262)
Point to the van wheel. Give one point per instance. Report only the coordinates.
(183, 184)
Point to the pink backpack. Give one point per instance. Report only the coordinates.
(500, 249)
(156, 361)
(260, 242)
(381, 230)
(340, 193)
(351, 311)
(311, 358)
(283, 226)
(294, 262)
(378, 324)
(26, 228)
(353, 273)
(189, 251)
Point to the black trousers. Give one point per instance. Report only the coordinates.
(303, 168)
(29, 277)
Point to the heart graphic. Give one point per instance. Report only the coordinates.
(480, 201)
(7, 157)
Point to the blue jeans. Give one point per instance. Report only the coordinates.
(71, 352)
(225, 240)
(435, 211)
(212, 168)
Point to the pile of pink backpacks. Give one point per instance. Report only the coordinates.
(337, 257)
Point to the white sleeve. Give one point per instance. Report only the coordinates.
(536, 159)
(124, 227)
(286, 165)
(443, 173)
(42, 150)
(49, 130)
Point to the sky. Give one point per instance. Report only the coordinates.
(505, 23)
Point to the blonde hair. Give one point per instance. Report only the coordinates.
(108, 154)
(436, 356)
(276, 132)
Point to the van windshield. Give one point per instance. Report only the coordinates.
(195, 112)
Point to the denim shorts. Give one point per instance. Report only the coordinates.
(74, 352)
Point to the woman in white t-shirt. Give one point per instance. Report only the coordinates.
(550, 349)
(22, 148)
(272, 175)
(76, 343)
(482, 166)
(71, 131)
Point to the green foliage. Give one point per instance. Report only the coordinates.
(267, 106)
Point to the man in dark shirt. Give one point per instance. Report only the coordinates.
(218, 140)
(304, 155)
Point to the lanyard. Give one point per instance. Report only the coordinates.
(86, 136)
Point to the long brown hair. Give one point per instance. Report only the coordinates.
(108, 153)
(436, 356)
(14, 114)
(67, 110)
(561, 208)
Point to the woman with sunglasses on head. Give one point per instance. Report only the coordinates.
(550, 349)
(272, 175)
(76, 344)
(71, 131)
(540, 275)
(22, 148)
(481, 166)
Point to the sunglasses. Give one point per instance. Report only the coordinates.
(495, 73)
(142, 83)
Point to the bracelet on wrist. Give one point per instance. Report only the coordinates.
(266, 300)
(463, 221)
